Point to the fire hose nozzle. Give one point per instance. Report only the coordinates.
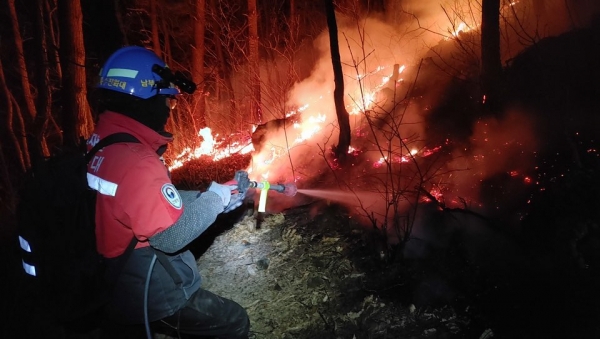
(244, 184)
(288, 189)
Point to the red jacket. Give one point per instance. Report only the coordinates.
(136, 195)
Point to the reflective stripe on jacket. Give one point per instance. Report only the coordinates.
(136, 197)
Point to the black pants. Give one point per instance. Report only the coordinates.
(207, 315)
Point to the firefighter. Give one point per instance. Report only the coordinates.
(136, 198)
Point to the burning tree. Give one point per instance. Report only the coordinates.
(390, 192)
(338, 93)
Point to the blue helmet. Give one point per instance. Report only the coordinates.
(129, 70)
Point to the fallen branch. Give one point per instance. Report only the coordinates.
(443, 207)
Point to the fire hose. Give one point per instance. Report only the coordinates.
(244, 184)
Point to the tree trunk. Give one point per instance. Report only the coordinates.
(77, 117)
(22, 65)
(28, 120)
(119, 17)
(224, 69)
(375, 6)
(19, 144)
(166, 56)
(491, 64)
(393, 11)
(7, 193)
(255, 101)
(292, 41)
(154, 23)
(539, 8)
(44, 97)
(343, 117)
(54, 60)
(198, 62)
(53, 38)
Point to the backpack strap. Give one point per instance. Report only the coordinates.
(162, 258)
(109, 140)
(164, 261)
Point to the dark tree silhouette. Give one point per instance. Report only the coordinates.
(491, 65)
(198, 59)
(77, 117)
(338, 94)
(255, 103)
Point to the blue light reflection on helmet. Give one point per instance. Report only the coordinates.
(129, 70)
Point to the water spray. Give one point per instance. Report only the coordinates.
(244, 184)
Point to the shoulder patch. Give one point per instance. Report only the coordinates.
(170, 193)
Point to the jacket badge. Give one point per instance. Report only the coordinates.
(170, 193)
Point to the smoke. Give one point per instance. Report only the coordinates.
(369, 48)
(490, 169)
(497, 146)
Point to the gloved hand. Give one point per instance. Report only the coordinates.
(237, 199)
(223, 191)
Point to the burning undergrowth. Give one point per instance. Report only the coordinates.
(506, 234)
(197, 174)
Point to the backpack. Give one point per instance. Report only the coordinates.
(56, 225)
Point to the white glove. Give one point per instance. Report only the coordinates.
(223, 191)
(236, 201)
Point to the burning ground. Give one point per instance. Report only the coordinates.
(313, 270)
(505, 245)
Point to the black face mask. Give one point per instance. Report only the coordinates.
(152, 112)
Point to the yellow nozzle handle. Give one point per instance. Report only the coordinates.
(262, 202)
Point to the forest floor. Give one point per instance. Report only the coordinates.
(310, 272)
